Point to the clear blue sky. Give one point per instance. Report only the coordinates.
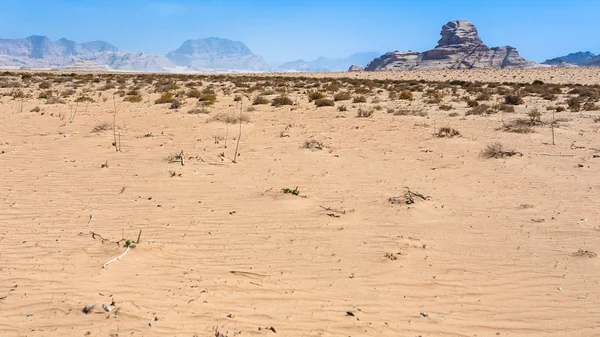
(281, 30)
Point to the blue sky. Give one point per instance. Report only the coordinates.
(287, 30)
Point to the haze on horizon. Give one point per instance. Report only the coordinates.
(285, 31)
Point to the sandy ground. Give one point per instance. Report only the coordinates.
(492, 252)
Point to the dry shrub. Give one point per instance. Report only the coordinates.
(315, 95)
(497, 150)
(518, 126)
(324, 102)
(282, 100)
(194, 93)
(480, 110)
(409, 112)
(447, 132)
(175, 105)
(359, 99)
(406, 95)
(55, 100)
(506, 108)
(258, 100)
(133, 98)
(230, 118)
(472, 103)
(165, 97)
(197, 111)
(209, 98)
(36, 109)
(342, 96)
(313, 144)
(104, 126)
(364, 113)
(513, 99)
(445, 107)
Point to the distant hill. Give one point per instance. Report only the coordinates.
(216, 54)
(324, 64)
(579, 59)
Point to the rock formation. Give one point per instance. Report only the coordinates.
(216, 54)
(459, 48)
(355, 68)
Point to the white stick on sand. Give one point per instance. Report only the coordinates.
(116, 258)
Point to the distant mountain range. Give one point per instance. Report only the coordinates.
(324, 64)
(581, 59)
(202, 55)
(460, 47)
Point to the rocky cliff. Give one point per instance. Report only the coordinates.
(459, 48)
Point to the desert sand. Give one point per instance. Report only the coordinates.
(498, 246)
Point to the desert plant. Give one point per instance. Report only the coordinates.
(342, 96)
(194, 93)
(176, 105)
(506, 108)
(208, 98)
(406, 95)
(364, 113)
(165, 97)
(359, 99)
(230, 118)
(445, 107)
(260, 100)
(133, 98)
(518, 126)
(447, 132)
(472, 103)
(342, 108)
(282, 100)
(497, 150)
(295, 191)
(104, 126)
(535, 116)
(197, 111)
(479, 110)
(513, 99)
(324, 102)
(315, 95)
(313, 144)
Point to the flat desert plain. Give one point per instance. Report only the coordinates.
(419, 204)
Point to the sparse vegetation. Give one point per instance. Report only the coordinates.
(497, 150)
(447, 132)
(324, 102)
